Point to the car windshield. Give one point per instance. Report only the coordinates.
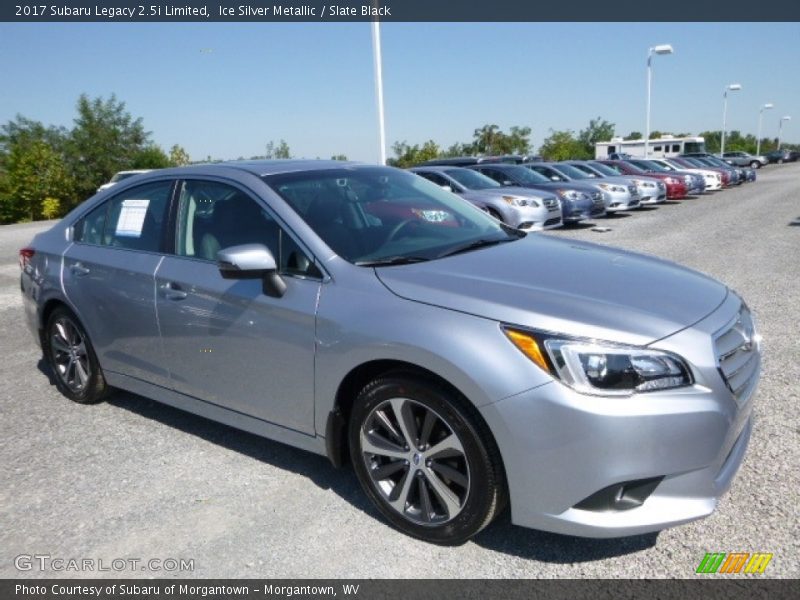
(571, 172)
(604, 169)
(663, 165)
(472, 180)
(373, 216)
(524, 175)
(587, 170)
(648, 165)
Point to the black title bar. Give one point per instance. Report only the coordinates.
(277, 11)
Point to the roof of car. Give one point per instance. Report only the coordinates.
(267, 167)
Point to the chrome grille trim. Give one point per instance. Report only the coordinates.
(738, 354)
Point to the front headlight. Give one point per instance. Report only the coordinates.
(671, 180)
(571, 194)
(643, 183)
(520, 201)
(611, 188)
(601, 368)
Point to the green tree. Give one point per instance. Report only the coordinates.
(280, 151)
(150, 157)
(408, 156)
(178, 157)
(339, 157)
(104, 140)
(35, 183)
(634, 135)
(491, 140)
(562, 145)
(598, 130)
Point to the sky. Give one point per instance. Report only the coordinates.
(226, 89)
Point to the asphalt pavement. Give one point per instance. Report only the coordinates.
(131, 479)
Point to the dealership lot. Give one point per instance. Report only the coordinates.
(133, 479)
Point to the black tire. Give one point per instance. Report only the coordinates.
(71, 357)
(470, 467)
(755, 165)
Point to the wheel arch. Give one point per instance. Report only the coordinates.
(336, 429)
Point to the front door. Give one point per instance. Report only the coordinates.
(225, 341)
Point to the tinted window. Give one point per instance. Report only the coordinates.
(373, 214)
(213, 216)
(676, 147)
(133, 219)
(472, 180)
(434, 177)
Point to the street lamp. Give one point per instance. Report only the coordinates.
(780, 129)
(376, 55)
(734, 87)
(767, 106)
(660, 49)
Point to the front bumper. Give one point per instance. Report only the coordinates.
(560, 447)
(676, 191)
(616, 201)
(531, 218)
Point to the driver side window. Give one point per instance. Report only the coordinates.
(213, 216)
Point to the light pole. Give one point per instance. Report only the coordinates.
(734, 87)
(376, 54)
(780, 129)
(660, 49)
(767, 106)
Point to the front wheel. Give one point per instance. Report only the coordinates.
(755, 164)
(424, 460)
(72, 359)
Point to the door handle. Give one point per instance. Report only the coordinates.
(173, 291)
(78, 270)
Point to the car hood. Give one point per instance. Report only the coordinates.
(568, 287)
(508, 191)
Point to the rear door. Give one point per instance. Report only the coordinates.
(225, 341)
(108, 278)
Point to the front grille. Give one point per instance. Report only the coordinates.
(738, 354)
(597, 199)
(632, 189)
(551, 203)
(552, 221)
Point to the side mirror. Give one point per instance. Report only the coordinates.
(508, 183)
(555, 178)
(447, 188)
(252, 261)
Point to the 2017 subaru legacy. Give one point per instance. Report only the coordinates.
(366, 314)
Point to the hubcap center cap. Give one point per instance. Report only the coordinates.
(416, 459)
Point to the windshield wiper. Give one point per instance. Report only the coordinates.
(391, 260)
(474, 245)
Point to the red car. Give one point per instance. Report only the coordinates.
(676, 187)
(724, 173)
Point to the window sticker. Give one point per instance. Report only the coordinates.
(131, 218)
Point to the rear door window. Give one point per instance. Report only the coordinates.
(133, 219)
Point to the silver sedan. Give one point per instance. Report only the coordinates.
(369, 316)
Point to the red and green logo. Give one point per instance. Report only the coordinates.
(734, 562)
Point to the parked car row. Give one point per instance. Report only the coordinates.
(535, 195)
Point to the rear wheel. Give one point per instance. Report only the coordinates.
(71, 357)
(424, 460)
(755, 164)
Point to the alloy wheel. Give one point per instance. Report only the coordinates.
(69, 354)
(415, 461)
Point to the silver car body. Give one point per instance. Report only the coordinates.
(523, 208)
(618, 195)
(171, 328)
